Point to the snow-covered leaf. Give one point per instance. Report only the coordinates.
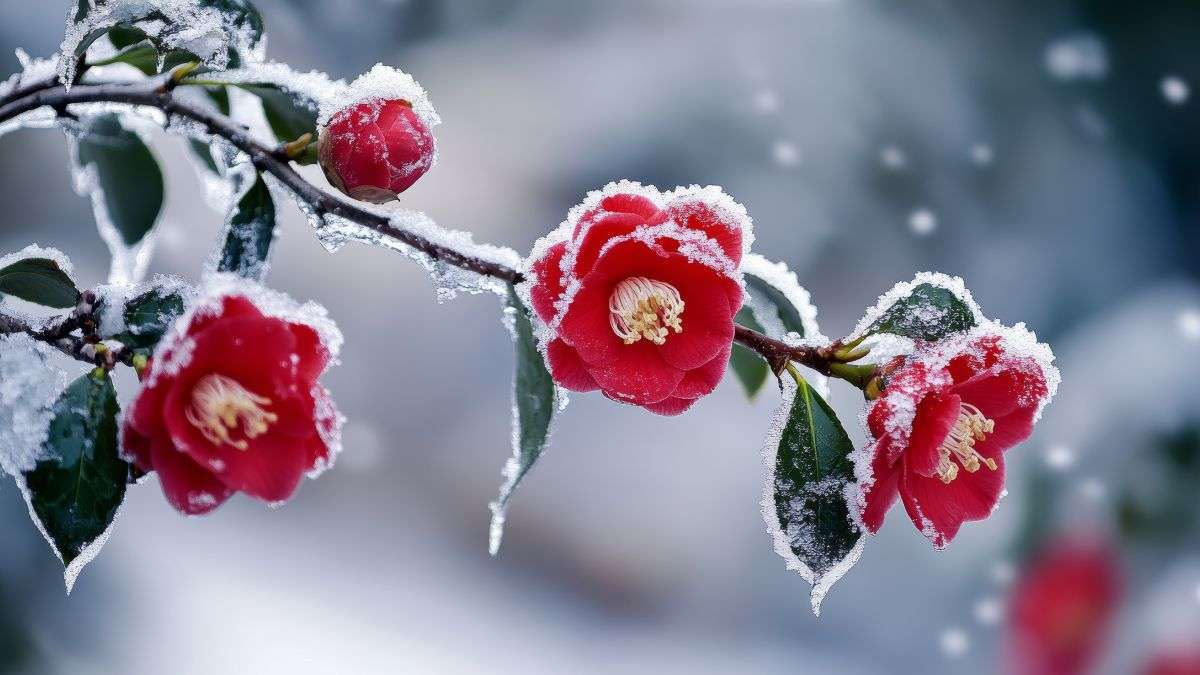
(39, 280)
(144, 318)
(750, 368)
(927, 312)
(122, 177)
(249, 234)
(75, 492)
(534, 403)
(290, 114)
(146, 57)
(805, 496)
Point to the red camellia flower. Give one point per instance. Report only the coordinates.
(376, 149)
(231, 403)
(1061, 608)
(639, 290)
(945, 417)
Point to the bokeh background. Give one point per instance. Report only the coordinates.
(1048, 152)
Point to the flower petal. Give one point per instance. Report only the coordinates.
(640, 376)
(939, 509)
(187, 486)
(568, 369)
(936, 415)
(703, 380)
(695, 214)
(549, 283)
(882, 493)
(1002, 389)
(670, 407)
(706, 319)
(599, 233)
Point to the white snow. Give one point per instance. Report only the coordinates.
(922, 222)
(893, 158)
(989, 611)
(381, 83)
(203, 30)
(982, 154)
(334, 231)
(766, 101)
(29, 386)
(1189, 323)
(954, 642)
(35, 251)
(1060, 457)
(785, 153)
(1175, 90)
(1082, 56)
(113, 297)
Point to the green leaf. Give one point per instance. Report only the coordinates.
(146, 316)
(290, 115)
(39, 280)
(130, 183)
(929, 312)
(749, 367)
(249, 234)
(766, 294)
(75, 494)
(122, 35)
(534, 402)
(202, 151)
(811, 469)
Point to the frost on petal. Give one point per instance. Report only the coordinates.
(29, 386)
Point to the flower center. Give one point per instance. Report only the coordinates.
(644, 308)
(969, 428)
(220, 404)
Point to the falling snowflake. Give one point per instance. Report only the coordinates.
(922, 222)
(785, 153)
(1175, 90)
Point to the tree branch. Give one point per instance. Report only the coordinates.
(156, 93)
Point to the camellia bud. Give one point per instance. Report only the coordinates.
(375, 149)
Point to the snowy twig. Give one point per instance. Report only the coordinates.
(268, 158)
(60, 335)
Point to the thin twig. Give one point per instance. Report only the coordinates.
(266, 158)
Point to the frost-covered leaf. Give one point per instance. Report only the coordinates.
(146, 57)
(290, 114)
(141, 320)
(74, 494)
(750, 368)
(535, 400)
(29, 385)
(927, 312)
(39, 280)
(805, 497)
(240, 13)
(777, 306)
(122, 177)
(249, 234)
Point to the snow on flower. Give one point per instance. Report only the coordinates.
(232, 402)
(637, 290)
(946, 415)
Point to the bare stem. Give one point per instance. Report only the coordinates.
(60, 334)
(155, 94)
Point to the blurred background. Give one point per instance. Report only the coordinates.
(1048, 152)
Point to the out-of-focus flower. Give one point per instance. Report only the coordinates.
(1175, 661)
(941, 431)
(640, 291)
(231, 404)
(1061, 608)
(376, 149)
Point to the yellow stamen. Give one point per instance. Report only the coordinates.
(644, 308)
(220, 404)
(969, 428)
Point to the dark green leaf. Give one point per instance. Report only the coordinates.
(128, 176)
(220, 97)
(39, 280)
(203, 152)
(928, 313)
(75, 494)
(146, 316)
(534, 403)
(290, 115)
(749, 367)
(249, 234)
(767, 294)
(812, 468)
(123, 36)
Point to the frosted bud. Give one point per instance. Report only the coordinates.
(375, 149)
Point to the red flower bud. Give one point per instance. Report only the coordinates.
(231, 403)
(376, 149)
(941, 427)
(639, 290)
